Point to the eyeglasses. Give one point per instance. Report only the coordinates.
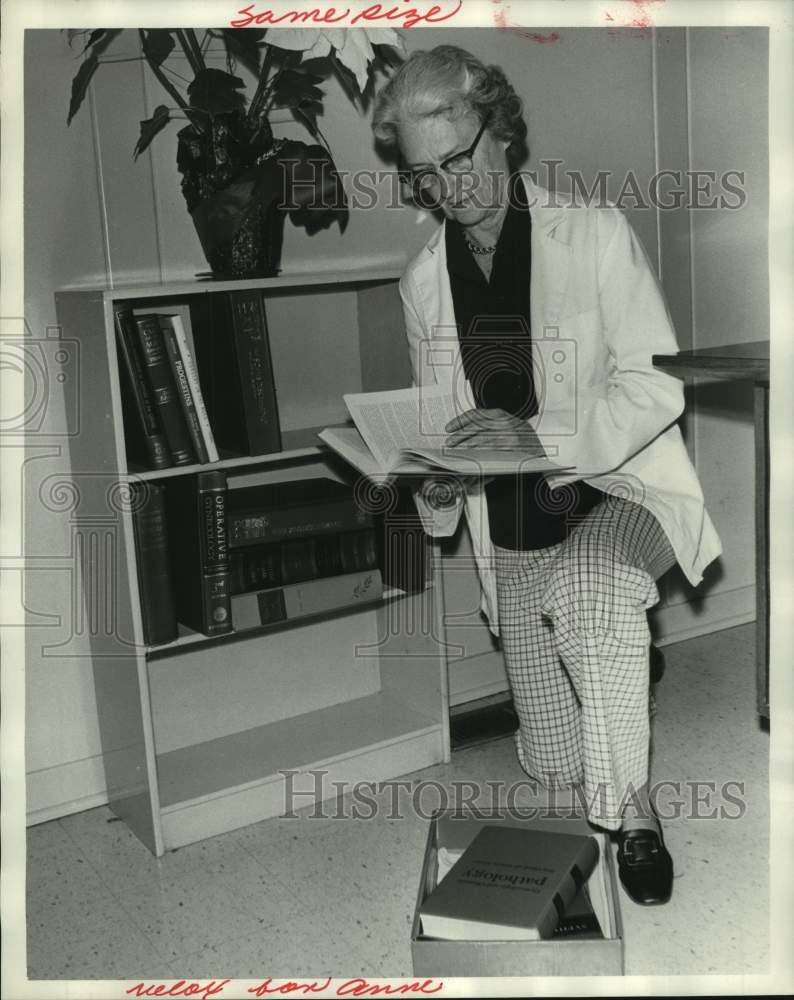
(426, 186)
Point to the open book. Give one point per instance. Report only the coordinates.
(403, 431)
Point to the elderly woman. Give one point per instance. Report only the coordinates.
(550, 314)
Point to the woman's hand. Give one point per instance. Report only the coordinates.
(493, 429)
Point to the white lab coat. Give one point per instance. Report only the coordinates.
(597, 316)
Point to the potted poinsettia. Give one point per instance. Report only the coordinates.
(240, 181)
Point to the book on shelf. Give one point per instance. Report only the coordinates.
(275, 512)
(236, 370)
(143, 433)
(153, 564)
(509, 884)
(403, 431)
(404, 546)
(260, 566)
(301, 600)
(196, 507)
(158, 370)
(188, 387)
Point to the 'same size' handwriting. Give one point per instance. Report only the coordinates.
(407, 17)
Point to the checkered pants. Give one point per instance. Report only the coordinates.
(575, 637)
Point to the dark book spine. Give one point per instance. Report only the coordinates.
(161, 380)
(255, 568)
(299, 560)
(404, 546)
(183, 392)
(256, 372)
(142, 422)
(215, 583)
(154, 574)
(262, 566)
(268, 525)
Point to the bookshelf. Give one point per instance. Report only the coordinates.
(204, 735)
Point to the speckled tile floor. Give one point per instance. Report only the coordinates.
(335, 896)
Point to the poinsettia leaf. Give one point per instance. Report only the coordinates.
(158, 45)
(346, 78)
(292, 87)
(385, 36)
(243, 45)
(388, 55)
(285, 58)
(319, 66)
(314, 187)
(215, 91)
(150, 127)
(80, 85)
(301, 40)
(356, 54)
(306, 114)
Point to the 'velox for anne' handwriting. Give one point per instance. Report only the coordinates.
(407, 16)
(350, 988)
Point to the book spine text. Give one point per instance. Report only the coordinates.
(145, 414)
(297, 522)
(161, 380)
(256, 372)
(215, 590)
(184, 390)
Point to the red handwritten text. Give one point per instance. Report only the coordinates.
(362, 988)
(288, 986)
(180, 989)
(350, 988)
(409, 17)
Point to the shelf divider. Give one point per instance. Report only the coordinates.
(300, 443)
(255, 755)
(188, 639)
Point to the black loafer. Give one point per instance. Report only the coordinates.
(645, 866)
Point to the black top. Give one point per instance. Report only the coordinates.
(496, 352)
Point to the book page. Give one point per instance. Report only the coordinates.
(347, 442)
(401, 420)
(409, 425)
(483, 461)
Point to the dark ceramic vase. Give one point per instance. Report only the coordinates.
(239, 187)
(232, 184)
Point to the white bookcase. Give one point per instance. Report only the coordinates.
(202, 736)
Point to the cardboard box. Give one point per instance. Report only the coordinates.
(557, 957)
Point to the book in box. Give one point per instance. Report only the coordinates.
(453, 830)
